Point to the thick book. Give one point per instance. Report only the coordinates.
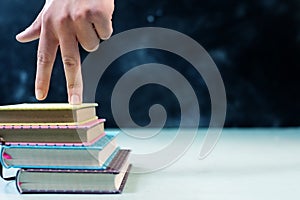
(85, 133)
(110, 180)
(57, 113)
(95, 156)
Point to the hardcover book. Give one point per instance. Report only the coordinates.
(85, 133)
(110, 180)
(57, 113)
(95, 156)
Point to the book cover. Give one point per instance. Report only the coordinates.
(45, 113)
(95, 156)
(85, 133)
(109, 181)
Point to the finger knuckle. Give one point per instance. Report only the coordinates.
(84, 14)
(73, 86)
(79, 16)
(46, 16)
(64, 19)
(96, 12)
(69, 62)
(47, 20)
(43, 59)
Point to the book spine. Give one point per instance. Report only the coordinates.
(18, 183)
(111, 157)
(2, 158)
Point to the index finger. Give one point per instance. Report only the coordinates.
(45, 59)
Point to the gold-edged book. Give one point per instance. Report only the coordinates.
(47, 113)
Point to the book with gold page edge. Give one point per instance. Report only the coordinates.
(47, 113)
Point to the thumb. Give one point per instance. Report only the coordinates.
(32, 32)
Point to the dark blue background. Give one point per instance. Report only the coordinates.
(255, 45)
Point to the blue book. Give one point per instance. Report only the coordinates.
(60, 156)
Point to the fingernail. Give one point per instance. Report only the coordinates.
(75, 99)
(95, 48)
(39, 94)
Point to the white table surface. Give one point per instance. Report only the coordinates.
(245, 164)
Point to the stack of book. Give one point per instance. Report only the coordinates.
(61, 148)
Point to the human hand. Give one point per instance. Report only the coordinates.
(64, 24)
